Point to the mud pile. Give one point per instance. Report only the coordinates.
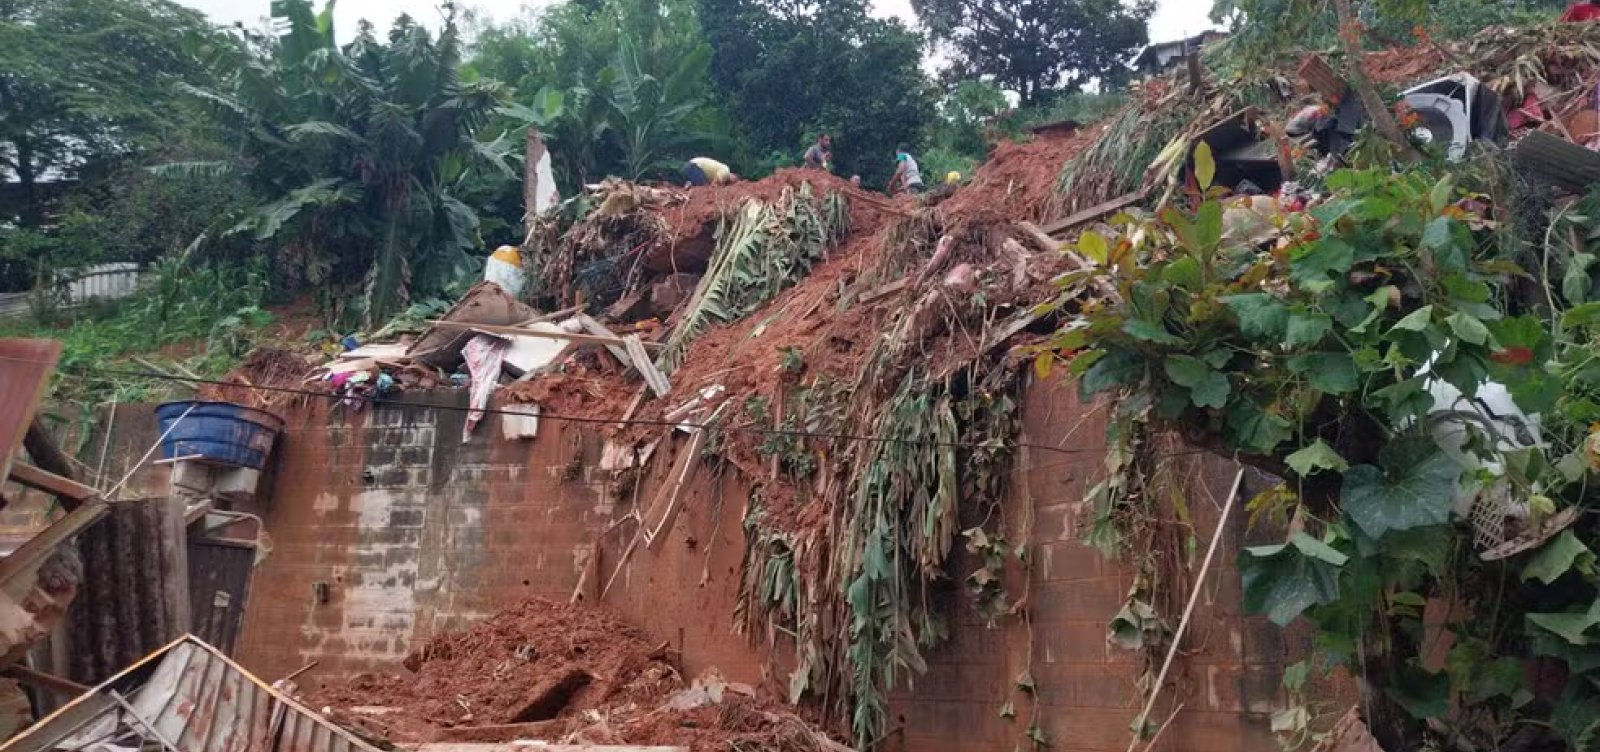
(557, 672)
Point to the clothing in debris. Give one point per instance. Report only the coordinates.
(1582, 12)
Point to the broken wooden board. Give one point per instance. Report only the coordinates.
(1558, 160)
(653, 377)
(682, 473)
(384, 351)
(586, 339)
(618, 350)
(70, 492)
(529, 353)
(486, 303)
(873, 296)
(1095, 212)
(25, 368)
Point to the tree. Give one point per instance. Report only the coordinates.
(358, 154)
(794, 69)
(635, 75)
(84, 81)
(1037, 46)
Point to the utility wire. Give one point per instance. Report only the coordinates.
(104, 374)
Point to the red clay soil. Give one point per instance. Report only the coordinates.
(537, 671)
(1020, 176)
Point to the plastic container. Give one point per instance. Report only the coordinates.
(219, 432)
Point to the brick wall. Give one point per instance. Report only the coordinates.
(414, 531)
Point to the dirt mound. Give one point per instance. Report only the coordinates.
(269, 367)
(554, 671)
(1020, 176)
(691, 225)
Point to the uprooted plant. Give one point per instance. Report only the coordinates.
(1353, 356)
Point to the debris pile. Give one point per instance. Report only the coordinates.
(561, 673)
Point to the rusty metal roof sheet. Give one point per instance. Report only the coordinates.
(186, 697)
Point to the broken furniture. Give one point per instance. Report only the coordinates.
(1455, 111)
(186, 697)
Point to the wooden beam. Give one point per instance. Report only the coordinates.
(70, 492)
(34, 552)
(1322, 78)
(25, 368)
(44, 452)
(587, 339)
(65, 688)
(1095, 212)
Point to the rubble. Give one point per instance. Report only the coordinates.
(565, 674)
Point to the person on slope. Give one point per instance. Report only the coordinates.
(820, 155)
(707, 171)
(907, 176)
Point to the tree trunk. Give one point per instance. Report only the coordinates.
(1356, 69)
(32, 215)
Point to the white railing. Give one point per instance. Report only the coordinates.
(76, 287)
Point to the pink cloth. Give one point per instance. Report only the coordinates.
(484, 355)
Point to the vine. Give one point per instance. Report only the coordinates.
(1354, 355)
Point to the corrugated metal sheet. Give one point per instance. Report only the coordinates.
(137, 598)
(188, 697)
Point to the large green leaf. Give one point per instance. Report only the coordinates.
(1307, 328)
(1558, 556)
(1261, 316)
(1413, 489)
(1283, 581)
(1207, 387)
(1424, 695)
(1328, 372)
(1254, 430)
(1570, 626)
(1315, 458)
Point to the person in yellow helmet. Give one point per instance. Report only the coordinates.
(707, 171)
(952, 177)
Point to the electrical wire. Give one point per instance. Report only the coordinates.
(104, 374)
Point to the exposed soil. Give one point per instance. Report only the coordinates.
(1019, 177)
(554, 671)
(269, 367)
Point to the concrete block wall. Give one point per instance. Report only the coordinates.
(413, 532)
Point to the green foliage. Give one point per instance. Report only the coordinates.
(86, 82)
(1315, 355)
(789, 71)
(1263, 27)
(213, 312)
(359, 155)
(1038, 47)
(636, 80)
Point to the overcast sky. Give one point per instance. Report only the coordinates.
(1174, 19)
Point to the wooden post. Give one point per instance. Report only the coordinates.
(532, 153)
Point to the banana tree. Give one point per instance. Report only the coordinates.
(358, 153)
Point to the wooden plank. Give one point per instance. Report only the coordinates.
(587, 339)
(34, 552)
(51, 683)
(70, 492)
(25, 368)
(685, 472)
(1095, 212)
(653, 377)
(884, 291)
(618, 351)
(46, 455)
(1321, 77)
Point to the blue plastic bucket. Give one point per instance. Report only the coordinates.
(220, 432)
